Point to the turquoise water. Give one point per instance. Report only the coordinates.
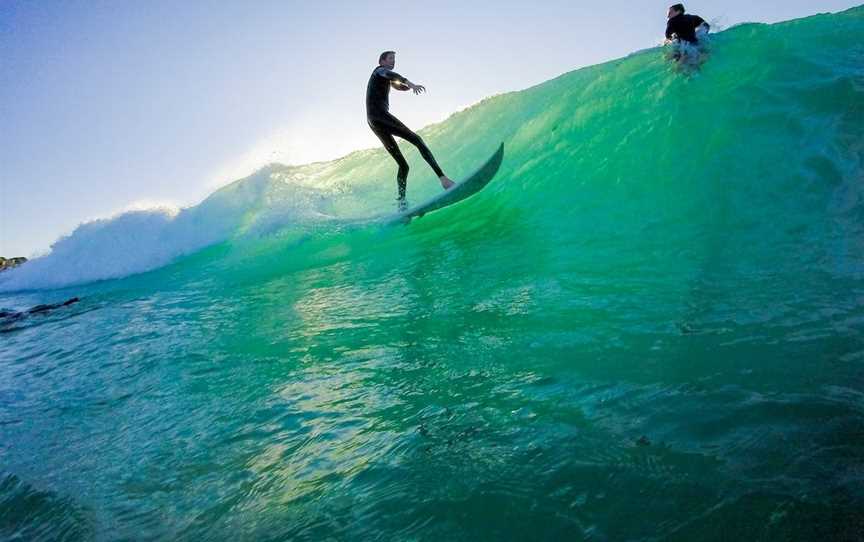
(649, 326)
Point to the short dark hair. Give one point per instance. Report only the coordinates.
(679, 7)
(383, 55)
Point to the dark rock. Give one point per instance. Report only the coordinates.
(9, 263)
(38, 309)
(46, 308)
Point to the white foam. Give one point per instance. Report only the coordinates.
(140, 240)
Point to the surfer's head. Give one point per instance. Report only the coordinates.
(387, 59)
(675, 10)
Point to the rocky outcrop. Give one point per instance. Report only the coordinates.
(9, 263)
(8, 315)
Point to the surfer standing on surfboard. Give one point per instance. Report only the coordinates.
(386, 125)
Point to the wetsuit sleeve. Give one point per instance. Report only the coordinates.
(390, 75)
(669, 30)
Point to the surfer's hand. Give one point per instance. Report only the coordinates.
(418, 89)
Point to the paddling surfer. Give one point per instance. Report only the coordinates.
(385, 125)
(684, 26)
(688, 35)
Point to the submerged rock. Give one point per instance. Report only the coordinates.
(46, 308)
(38, 309)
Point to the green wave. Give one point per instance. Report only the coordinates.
(759, 154)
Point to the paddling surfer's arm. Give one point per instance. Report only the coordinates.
(398, 82)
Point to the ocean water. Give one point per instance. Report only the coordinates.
(649, 326)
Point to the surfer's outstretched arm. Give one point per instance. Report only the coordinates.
(408, 85)
(398, 82)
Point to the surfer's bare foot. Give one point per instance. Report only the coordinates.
(446, 182)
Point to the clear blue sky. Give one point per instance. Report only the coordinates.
(106, 105)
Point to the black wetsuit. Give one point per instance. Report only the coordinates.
(386, 125)
(684, 26)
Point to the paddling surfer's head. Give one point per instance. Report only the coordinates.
(387, 59)
(675, 10)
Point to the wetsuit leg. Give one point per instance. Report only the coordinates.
(394, 126)
(391, 146)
